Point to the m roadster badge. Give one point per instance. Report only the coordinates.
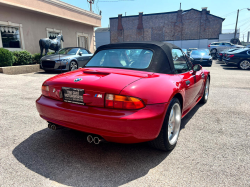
(78, 79)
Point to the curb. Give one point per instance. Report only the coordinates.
(14, 70)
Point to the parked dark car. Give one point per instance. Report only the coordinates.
(221, 56)
(239, 58)
(190, 50)
(69, 59)
(201, 56)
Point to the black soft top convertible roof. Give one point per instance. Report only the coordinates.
(162, 60)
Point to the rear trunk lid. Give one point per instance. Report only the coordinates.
(95, 82)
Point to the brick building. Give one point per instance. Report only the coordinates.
(180, 25)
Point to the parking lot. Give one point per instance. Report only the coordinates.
(213, 147)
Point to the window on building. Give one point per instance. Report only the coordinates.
(180, 62)
(53, 35)
(10, 37)
(83, 42)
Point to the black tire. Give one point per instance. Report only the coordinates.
(240, 66)
(73, 66)
(162, 141)
(213, 51)
(204, 97)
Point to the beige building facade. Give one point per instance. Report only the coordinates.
(24, 22)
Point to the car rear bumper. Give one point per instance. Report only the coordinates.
(121, 126)
(231, 61)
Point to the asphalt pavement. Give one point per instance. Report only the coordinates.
(213, 147)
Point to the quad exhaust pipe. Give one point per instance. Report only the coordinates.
(95, 139)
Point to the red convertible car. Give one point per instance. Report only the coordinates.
(127, 93)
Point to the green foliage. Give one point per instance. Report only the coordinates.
(50, 53)
(36, 58)
(6, 57)
(22, 57)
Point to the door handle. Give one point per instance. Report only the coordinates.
(187, 83)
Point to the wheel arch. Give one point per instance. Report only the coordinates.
(73, 60)
(179, 97)
(243, 60)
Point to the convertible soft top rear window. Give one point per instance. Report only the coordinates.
(122, 58)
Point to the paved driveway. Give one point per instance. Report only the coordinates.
(213, 147)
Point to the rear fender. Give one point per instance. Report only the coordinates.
(154, 89)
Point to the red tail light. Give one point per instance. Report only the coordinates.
(123, 102)
(225, 54)
(230, 56)
(220, 54)
(45, 90)
(209, 45)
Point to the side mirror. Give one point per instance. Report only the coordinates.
(197, 67)
(80, 53)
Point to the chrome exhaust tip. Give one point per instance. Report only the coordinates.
(53, 127)
(96, 140)
(90, 139)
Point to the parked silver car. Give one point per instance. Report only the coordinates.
(216, 47)
(70, 59)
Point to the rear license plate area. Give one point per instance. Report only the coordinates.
(73, 95)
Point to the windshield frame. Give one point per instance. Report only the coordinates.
(200, 50)
(69, 50)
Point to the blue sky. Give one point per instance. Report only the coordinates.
(226, 9)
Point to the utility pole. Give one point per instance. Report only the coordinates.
(236, 24)
(248, 35)
(243, 37)
(90, 3)
(180, 6)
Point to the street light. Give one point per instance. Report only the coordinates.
(237, 21)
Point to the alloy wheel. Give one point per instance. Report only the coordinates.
(174, 124)
(73, 66)
(245, 64)
(207, 89)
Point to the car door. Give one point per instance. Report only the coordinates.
(183, 69)
(221, 47)
(84, 57)
(228, 46)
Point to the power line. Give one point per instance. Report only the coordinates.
(228, 14)
(245, 30)
(238, 22)
(244, 23)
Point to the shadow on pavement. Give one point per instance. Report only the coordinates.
(65, 156)
(189, 116)
(219, 62)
